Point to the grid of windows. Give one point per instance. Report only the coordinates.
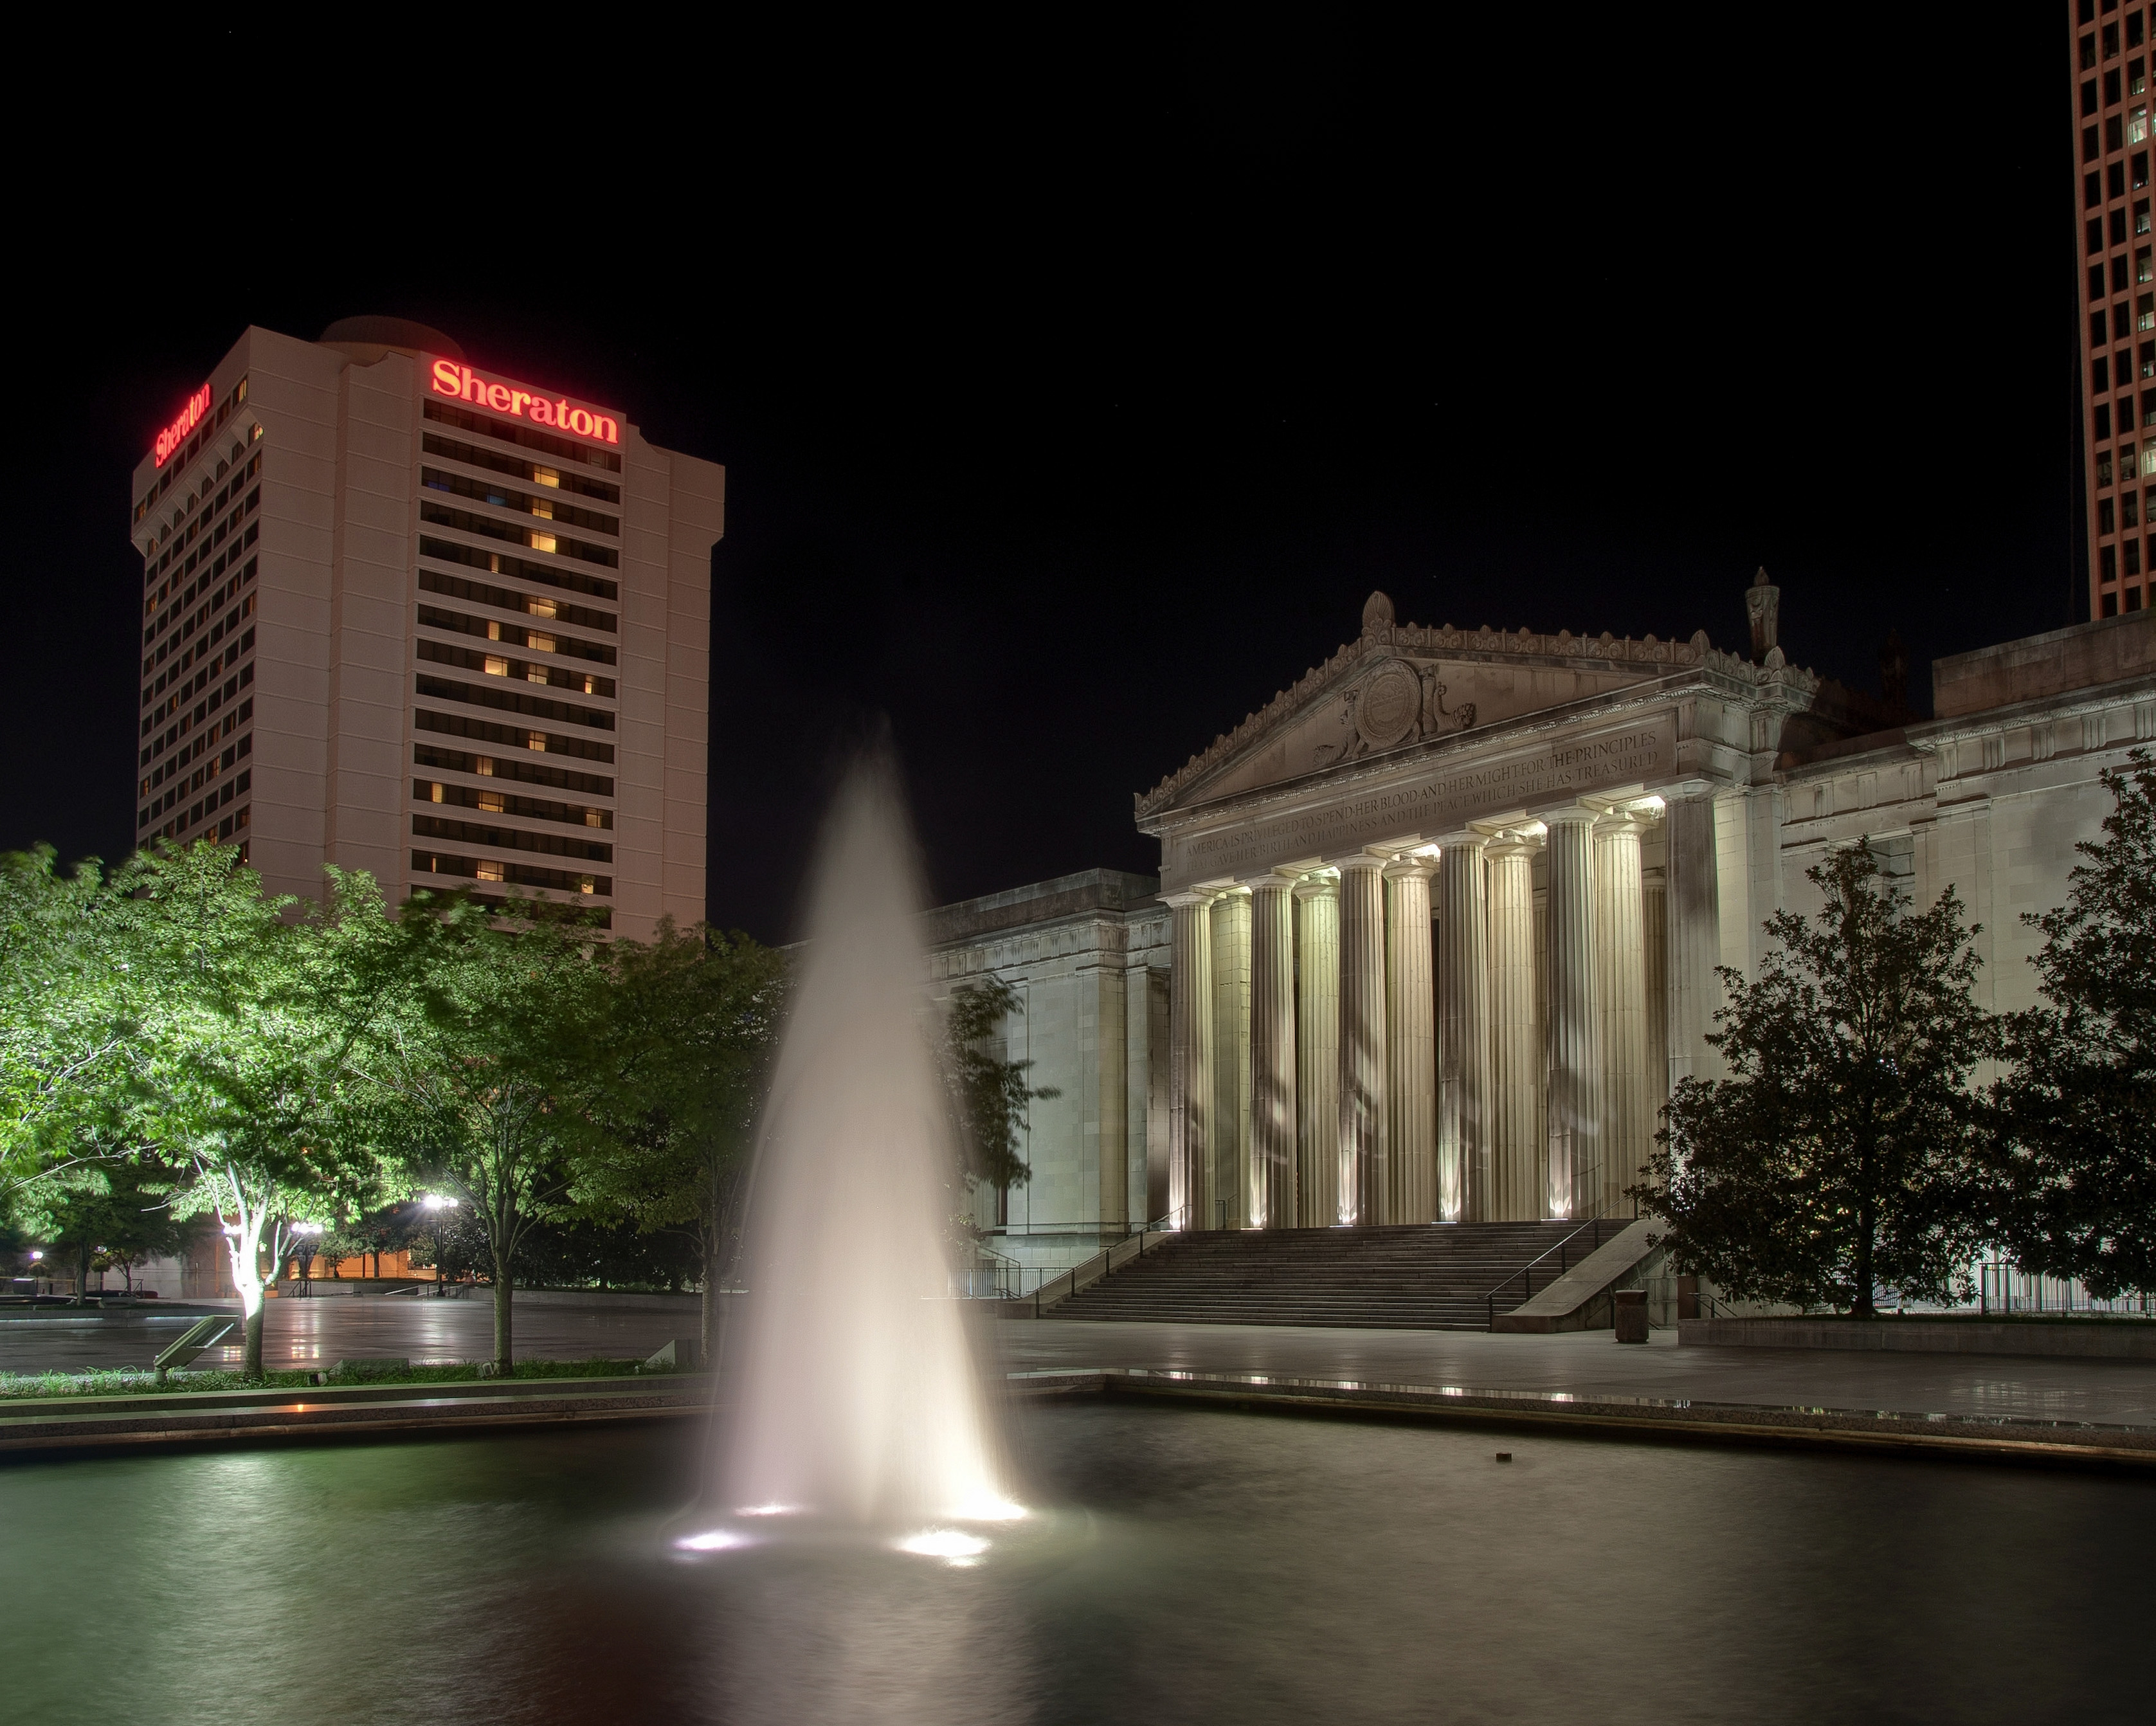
(2113, 112)
(533, 503)
(198, 602)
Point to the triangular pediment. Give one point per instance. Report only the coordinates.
(1401, 684)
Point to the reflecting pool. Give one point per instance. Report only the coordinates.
(1178, 1564)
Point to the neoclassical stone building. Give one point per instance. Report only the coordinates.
(1437, 928)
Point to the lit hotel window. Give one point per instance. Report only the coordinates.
(535, 674)
(496, 666)
(544, 608)
(547, 476)
(586, 884)
(541, 644)
(493, 802)
(490, 869)
(484, 767)
(537, 739)
(545, 542)
(434, 794)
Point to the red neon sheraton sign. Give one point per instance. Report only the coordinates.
(451, 379)
(175, 434)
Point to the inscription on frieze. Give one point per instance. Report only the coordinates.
(1443, 800)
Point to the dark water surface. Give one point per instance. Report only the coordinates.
(1184, 1565)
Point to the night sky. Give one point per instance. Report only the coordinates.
(1076, 390)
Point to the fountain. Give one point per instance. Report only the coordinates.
(854, 1395)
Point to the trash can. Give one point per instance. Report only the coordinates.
(1630, 1308)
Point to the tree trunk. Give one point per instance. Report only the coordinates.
(250, 1356)
(502, 1357)
(1867, 1224)
(82, 1277)
(708, 1231)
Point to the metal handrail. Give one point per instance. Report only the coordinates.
(1563, 1263)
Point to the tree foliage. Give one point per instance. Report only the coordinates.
(471, 1057)
(989, 1097)
(677, 1065)
(1838, 1156)
(2074, 1157)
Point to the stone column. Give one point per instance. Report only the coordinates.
(1516, 1039)
(1363, 1050)
(1273, 1124)
(1317, 1052)
(1229, 1141)
(1694, 935)
(1621, 973)
(1464, 1085)
(1411, 1046)
(1655, 942)
(1190, 1055)
(1574, 1065)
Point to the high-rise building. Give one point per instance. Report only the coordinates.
(2110, 50)
(404, 616)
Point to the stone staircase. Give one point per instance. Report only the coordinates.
(1420, 1277)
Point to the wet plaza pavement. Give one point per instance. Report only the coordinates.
(315, 1332)
(318, 1331)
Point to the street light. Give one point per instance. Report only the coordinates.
(436, 1204)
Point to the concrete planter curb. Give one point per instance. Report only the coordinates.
(1968, 1438)
(2077, 1340)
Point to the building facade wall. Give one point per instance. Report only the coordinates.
(309, 739)
(1732, 779)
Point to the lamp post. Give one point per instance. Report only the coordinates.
(436, 1204)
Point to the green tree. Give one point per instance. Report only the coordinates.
(111, 1210)
(1839, 1154)
(679, 1059)
(2074, 1156)
(70, 1031)
(477, 1045)
(240, 1078)
(989, 1097)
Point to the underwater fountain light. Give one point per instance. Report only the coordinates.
(716, 1540)
(944, 1543)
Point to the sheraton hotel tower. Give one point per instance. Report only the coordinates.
(402, 615)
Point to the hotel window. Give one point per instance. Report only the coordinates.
(2128, 505)
(2106, 563)
(2114, 133)
(2111, 42)
(2134, 598)
(2134, 556)
(2104, 420)
(2104, 522)
(496, 666)
(2103, 467)
(2111, 605)
(2114, 179)
(2095, 283)
(2111, 90)
(495, 802)
(538, 643)
(2088, 99)
(2090, 152)
(2088, 52)
(2144, 269)
(2136, 77)
(2091, 191)
(2144, 312)
(2137, 127)
(490, 869)
(2134, 33)
(2098, 337)
(2095, 232)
